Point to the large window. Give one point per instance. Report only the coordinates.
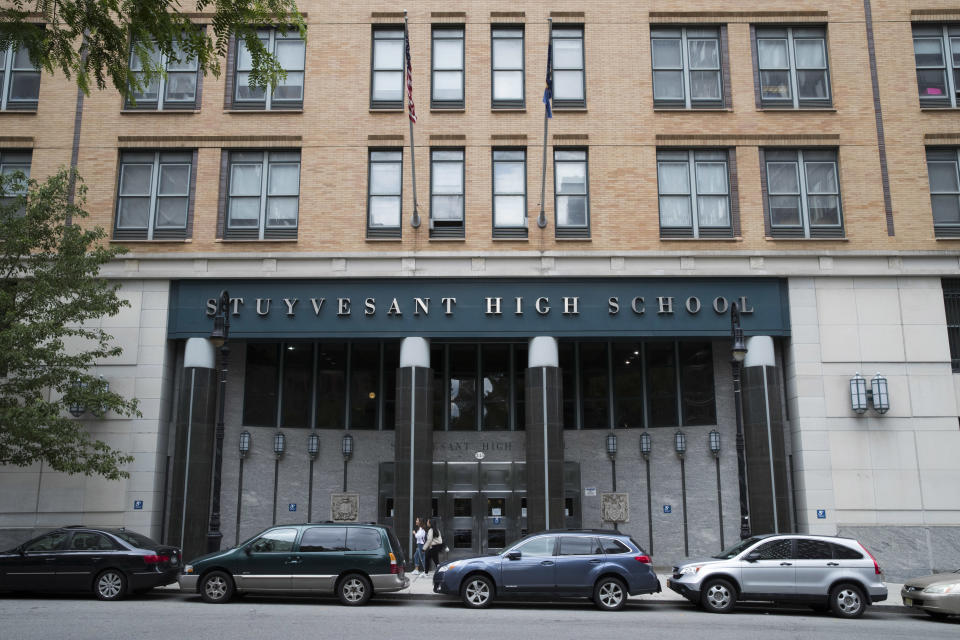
(19, 80)
(506, 62)
(694, 192)
(687, 64)
(936, 50)
(264, 194)
(448, 62)
(446, 193)
(803, 193)
(951, 303)
(384, 194)
(14, 162)
(153, 197)
(569, 78)
(571, 193)
(792, 67)
(289, 49)
(386, 73)
(176, 89)
(509, 193)
(475, 386)
(942, 168)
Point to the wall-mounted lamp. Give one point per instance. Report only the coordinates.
(645, 445)
(77, 409)
(279, 443)
(244, 447)
(861, 396)
(313, 445)
(612, 446)
(346, 447)
(645, 452)
(680, 443)
(244, 443)
(715, 443)
(99, 409)
(680, 446)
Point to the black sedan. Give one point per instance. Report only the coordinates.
(109, 562)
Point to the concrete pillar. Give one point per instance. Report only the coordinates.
(413, 450)
(544, 433)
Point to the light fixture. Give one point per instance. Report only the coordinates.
(612, 445)
(858, 393)
(645, 444)
(861, 396)
(739, 349)
(680, 443)
(881, 398)
(99, 409)
(244, 443)
(279, 443)
(715, 442)
(346, 446)
(77, 408)
(313, 445)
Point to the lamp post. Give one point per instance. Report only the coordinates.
(313, 448)
(680, 446)
(738, 352)
(346, 448)
(279, 445)
(219, 337)
(645, 447)
(612, 454)
(244, 449)
(714, 440)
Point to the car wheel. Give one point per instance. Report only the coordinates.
(216, 587)
(354, 590)
(111, 584)
(718, 596)
(477, 592)
(846, 601)
(610, 594)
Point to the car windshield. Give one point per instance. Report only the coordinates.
(737, 549)
(135, 539)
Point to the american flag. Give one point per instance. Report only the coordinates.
(413, 112)
(548, 92)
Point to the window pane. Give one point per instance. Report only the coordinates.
(260, 385)
(675, 211)
(282, 212)
(775, 85)
(463, 387)
(331, 385)
(388, 54)
(448, 85)
(135, 179)
(447, 177)
(567, 53)
(627, 385)
(773, 54)
(149, 92)
(174, 180)
(813, 550)
(364, 385)
(577, 546)
(666, 53)
(181, 60)
(384, 211)
(705, 85)
(810, 54)
(284, 179)
(782, 177)
(668, 85)
(247, 92)
(572, 211)
(703, 54)
(812, 84)
(244, 212)
(696, 383)
(134, 213)
(508, 85)
(785, 211)
(661, 384)
(571, 177)
(448, 54)
(508, 177)
(245, 179)
(928, 52)
(711, 177)
(447, 207)
(821, 177)
(595, 385)
(290, 54)
(943, 177)
(385, 178)
(508, 54)
(496, 388)
(537, 548)
(171, 213)
(775, 550)
(388, 85)
(290, 88)
(568, 372)
(823, 210)
(713, 211)
(25, 86)
(321, 539)
(946, 209)
(181, 87)
(508, 211)
(932, 83)
(568, 85)
(297, 383)
(363, 539)
(674, 177)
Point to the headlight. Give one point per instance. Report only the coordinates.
(689, 570)
(450, 565)
(950, 587)
(188, 568)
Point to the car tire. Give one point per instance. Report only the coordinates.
(610, 594)
(847, 601)
(216, 587)
(477, 591)
(110, 584)
(354, 590)
(718, 596)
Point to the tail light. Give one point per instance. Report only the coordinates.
(644, 559)
(394, 567)
(155, 559)
(876, 567)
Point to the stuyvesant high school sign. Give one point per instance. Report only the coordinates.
(449, 308)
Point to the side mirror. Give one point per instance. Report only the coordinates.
(21, 550)
(514, 555)
(753, 556)
(247, 549)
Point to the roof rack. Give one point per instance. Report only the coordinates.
(603, 531)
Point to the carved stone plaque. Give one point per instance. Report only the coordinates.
(615, 507)
(344, 507)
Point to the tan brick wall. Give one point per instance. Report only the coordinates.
(620, 122)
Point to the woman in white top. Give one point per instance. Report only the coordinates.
(420, 536)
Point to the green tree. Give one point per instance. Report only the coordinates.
(51, 299)
(91, 39)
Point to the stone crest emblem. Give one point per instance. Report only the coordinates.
(344, 507)
(615, 507)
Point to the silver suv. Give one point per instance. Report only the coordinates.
(824, 572)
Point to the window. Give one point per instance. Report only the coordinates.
(384, 196)
(813, 549)
(506, 66)
(579, 546)
(362, 539)
(178, 89)
(153, 198)
(951, 303)
(447, 76)
(569, 81)
(841, 552)
(446, 193)
(694, 192)
(51, 542)
(774, 550)
(611, 546)
(91, 541)
(571, 196)
(386, 74)
(509, 193)
(19, 80)
(803, 193)
(537, 548)
(687, 67)
(12, 162)
(318, 539)
(264, 194)
(288, 47)
(944, 191)
(936, 49)
(276, 541)
(792, 67)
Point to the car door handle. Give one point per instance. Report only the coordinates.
(547, 563)
(786, 564)
(595, 561)
(833, 564)
(96, 559)
(292, 562)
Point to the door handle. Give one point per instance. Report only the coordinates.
(50, 559)
(97, 559)
(786, 564)
(833, 564)
(595, 561)
(547, 563)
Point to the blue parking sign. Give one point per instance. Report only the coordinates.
(138, 504)
(667, 508)
(292, 506)
(821, 514)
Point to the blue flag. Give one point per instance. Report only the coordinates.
(548, 92)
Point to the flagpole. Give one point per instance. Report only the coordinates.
(542, 219)
(408, 72)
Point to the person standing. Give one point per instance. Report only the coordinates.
(420, 535)
(433, 545)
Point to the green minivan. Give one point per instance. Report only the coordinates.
(354, 561)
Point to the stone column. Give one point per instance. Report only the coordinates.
(544, 436)
(413, 451)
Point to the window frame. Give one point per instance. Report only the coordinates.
(567, 230)
(795, 102)
(805, 229)
(161, 103)
(722, 70)
(7, 72)
(944, 155)
(262, 231)
(17, 160)
(568, 103)
(508, 103)
(508, 231)
(460, 102)
(383, 231)
(694, 230)
(269, 102)
(448, 228)
(942, 33)
(374, 38)
(152, 231)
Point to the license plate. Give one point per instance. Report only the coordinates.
(908, 602)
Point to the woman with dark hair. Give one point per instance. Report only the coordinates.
(420, 535)
(433, 545)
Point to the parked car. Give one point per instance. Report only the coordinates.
(109, 562)
(604, 565)
(938, 595)
(354, 561)
(826, 573)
